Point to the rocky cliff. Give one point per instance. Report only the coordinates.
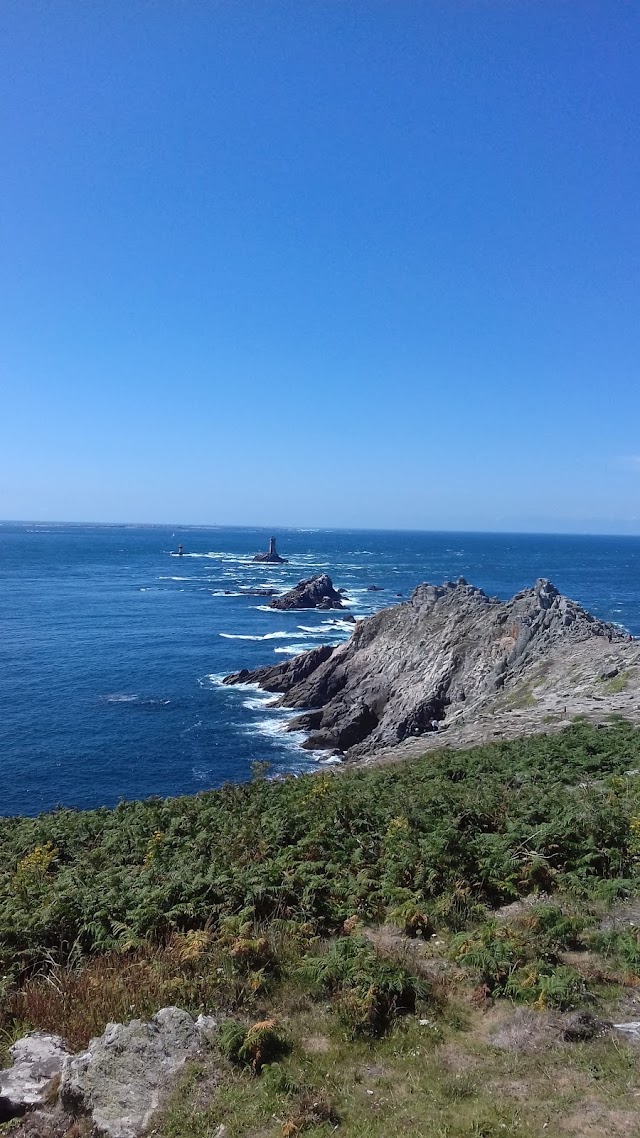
(453, 658)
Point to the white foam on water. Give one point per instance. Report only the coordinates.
(214, 680)
(339, 626)
(330, 761)
(122, 698)
(265, 636)
(259, 703)
(276, 728)
(294, 649)
(218, 555)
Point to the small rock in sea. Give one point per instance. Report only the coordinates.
(312, 593)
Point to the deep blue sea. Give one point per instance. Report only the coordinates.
(112, 647)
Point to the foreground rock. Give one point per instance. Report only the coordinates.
(314, 593)
(271, 556)
(453, 658)
(123, 1077)
(37, 1062)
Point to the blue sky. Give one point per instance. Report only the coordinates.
(346, 263)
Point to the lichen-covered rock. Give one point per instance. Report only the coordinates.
(37, 1060)
(123, 1076)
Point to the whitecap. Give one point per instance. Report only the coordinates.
(276, 728)
(265, 636)
(339, 626)
(258, 703)
(294, 649)
(214, 680)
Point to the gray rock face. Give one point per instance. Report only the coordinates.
(313, 593)
(123, 1077)
(271, 556)
(36, 1061)
(449, 654)
(281, 677)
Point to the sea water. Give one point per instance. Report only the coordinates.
(113, 647)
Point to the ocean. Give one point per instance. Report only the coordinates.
(112, 647)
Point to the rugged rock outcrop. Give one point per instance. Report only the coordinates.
(123, 1077)
(272, 555)
(313, 593)
(450, 655)
(37, 1060)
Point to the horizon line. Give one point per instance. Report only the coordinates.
(315, 529)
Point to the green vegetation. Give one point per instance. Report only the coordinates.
(447, 833)
(348, 929)
(617, 683)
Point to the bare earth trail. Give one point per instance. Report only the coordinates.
(453, 667)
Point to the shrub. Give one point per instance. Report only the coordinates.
(520, 959)
(255, 1046)
(368, 991)
(621, 944)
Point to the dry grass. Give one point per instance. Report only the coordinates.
(78, 1002)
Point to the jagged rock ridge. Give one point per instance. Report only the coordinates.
(312, 593)
(450, 653)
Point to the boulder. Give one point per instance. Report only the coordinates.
(312, 593)
(37, 1060)
(124, 1075)
(271, 556)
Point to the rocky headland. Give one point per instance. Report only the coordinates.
(313, 593)
(453, 665)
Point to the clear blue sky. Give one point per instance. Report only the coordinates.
(321, 262)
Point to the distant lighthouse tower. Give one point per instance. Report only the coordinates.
(180, 551)
(273, 557)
